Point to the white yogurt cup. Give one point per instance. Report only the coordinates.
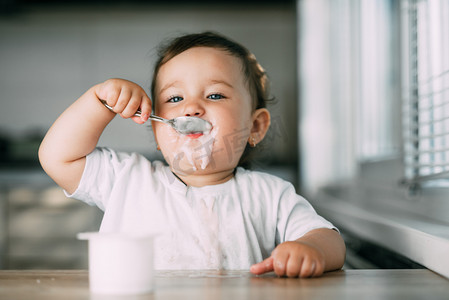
(119, 263)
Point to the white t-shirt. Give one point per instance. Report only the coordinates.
(226, 226)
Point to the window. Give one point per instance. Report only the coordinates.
(374, 110)
(349, 70)
(425, 32)
(374, 86)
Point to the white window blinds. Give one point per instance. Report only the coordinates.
(425, 31)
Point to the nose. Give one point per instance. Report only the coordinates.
(193, 108)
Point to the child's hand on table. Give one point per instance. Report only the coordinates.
(293, 259)
(126, 98)
(318, 251)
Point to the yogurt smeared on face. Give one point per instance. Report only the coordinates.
(197, 147)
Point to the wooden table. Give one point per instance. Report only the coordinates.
(233, 285)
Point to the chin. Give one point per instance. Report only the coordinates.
(188, 169)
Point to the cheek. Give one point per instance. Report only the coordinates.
(232, 137)
(161, 110)
(165, 135)
(234, 125)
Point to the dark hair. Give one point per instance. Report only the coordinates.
(254, 73)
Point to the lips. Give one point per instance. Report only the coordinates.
(195, 135)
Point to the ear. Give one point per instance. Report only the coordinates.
(261, 122)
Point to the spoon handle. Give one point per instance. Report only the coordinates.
(159, 119)
(138, 113)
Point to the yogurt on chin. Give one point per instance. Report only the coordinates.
(195, 152)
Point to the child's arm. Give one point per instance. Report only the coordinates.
(76, 132)
(316, 252)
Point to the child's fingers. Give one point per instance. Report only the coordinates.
(307, 269)
(132, 106)
(138, 120)
(294, 266)
(311, 268)
(109, 92)
(124, 104)
(280, 262)
(263, 267)
(319, 269)
(145, 108)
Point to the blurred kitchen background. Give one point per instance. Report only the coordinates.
(360, 124)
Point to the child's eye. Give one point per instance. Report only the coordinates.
(175, 99)
(215, 97)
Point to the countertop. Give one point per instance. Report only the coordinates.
(344, 284)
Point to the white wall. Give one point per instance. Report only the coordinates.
(50, 56)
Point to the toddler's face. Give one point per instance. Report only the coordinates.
(207, 83)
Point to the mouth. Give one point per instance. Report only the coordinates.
(194, 135)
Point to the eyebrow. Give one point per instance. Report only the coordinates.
(213, 81)
(167, 86)
(222, 82)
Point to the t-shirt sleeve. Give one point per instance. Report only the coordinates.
(296, 216)
(98, 177)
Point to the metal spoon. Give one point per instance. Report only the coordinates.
(183, 125)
